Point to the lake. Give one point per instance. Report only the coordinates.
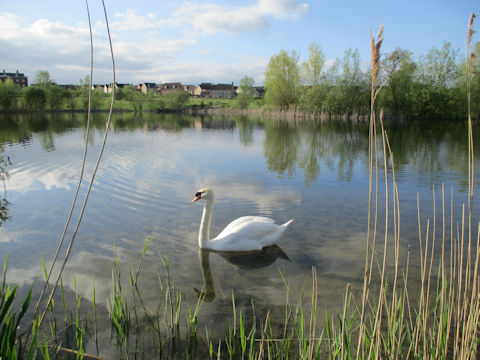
(314, 173)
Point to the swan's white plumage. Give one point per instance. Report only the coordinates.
(246, 233)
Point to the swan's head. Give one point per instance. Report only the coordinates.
(204, 194)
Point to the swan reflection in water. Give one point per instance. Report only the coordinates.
(245, 260)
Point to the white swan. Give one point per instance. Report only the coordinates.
(246, 233)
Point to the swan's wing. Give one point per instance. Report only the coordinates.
(237, 224)
(252, 233)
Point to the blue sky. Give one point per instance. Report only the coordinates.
(213, 41)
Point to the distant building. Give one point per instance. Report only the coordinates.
(169, 87)
(148, 88)
(68, 87)
(258, 91)
(218, 91)
(108, 88)
(18, 78)
(190, 89)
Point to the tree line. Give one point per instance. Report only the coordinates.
(431, 87)
(46, 95)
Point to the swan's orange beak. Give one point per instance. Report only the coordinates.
(196, 198)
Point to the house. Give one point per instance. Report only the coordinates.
(190, 89)
(18, 78)
(258, 91)
(108, 88)
(218, 91)
(68, 86)
(148, 88)
(170, 87)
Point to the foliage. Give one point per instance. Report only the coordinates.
(9, 93)
(433, 86)
(282, 80)
(399, 70)
(42, 78)
(56, 96)
(10, 344)
(245, 95)
(35, 98)
(175, 100)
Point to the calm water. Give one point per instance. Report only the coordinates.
(316, 174)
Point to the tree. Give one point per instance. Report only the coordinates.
(312, 70)
(439, 67)
(475, 84)
(136, 97)
(9, 92)
(314, 77)
(42, 78)
(437, 75)
(399, 70)
(175, 100)
(35, 97)
(353, 85)
(282, 80)
(245, 95)
(56, 96)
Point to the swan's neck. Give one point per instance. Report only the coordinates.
(209, 289)
(204, 233)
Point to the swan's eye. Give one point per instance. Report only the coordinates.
(199, 194)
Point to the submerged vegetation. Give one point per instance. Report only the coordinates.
(440, 321)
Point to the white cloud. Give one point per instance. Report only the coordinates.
(282, 8)
(211, 18)
(131, 21)
(147, 47)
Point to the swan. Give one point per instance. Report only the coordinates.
(246, 233)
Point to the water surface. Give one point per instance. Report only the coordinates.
(316, 174)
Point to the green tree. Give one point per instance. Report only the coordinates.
(136, 97)
(475, 83)
(42, 78)
(282, 80)
(432, 95)
(35, 98)
(9, 93)
(314, 77)
(353, 85)
(245, 95)
(175, 100)
(56, 96)
(399, 70)
(70, 99)
(313, 69)
(439, 67)
(96, 98)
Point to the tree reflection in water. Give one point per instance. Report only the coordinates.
(4, 203)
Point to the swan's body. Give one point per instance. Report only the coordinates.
(246, 233)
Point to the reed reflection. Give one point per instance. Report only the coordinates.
(245, 260)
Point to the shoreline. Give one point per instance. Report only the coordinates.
(291, 114)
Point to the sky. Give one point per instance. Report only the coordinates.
(218, 41)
